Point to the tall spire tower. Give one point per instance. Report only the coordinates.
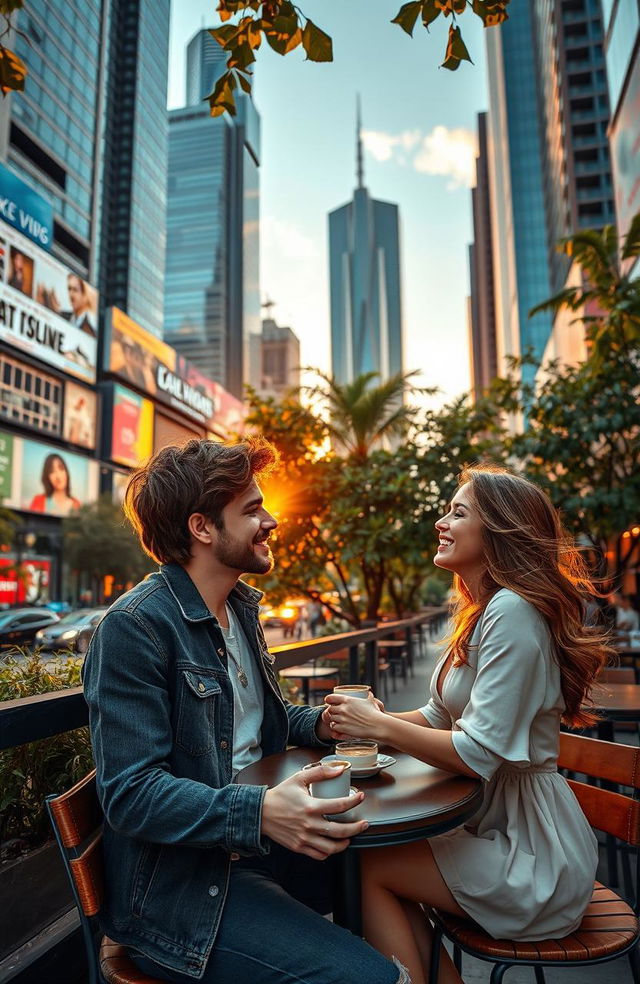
(359, 157)
(364, 275)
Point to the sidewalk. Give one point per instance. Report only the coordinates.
(414, 694)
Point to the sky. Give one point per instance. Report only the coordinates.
(419, 124)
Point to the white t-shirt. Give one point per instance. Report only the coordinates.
(248, 702)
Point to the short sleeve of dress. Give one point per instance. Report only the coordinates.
(436, 713)
(509, 687)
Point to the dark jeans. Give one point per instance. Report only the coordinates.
(269, 934)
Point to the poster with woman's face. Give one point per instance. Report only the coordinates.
(53, 482)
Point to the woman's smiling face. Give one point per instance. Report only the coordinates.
(461, 548)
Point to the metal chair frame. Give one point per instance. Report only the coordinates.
(576, 754)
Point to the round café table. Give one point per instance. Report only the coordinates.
(616, 702)
(408, 801)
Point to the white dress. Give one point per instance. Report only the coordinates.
(524, 865)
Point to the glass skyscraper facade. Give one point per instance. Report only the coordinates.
(50, 134)
(212, 290)
(89, 134)
(364, 277)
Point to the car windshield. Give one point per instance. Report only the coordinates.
(76, 618)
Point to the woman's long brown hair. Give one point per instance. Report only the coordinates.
(528, 551)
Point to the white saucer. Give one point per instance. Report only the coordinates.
(365, 772)
(349, 815)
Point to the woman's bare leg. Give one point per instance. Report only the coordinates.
(393, 880)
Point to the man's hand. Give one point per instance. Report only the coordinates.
(293, 818)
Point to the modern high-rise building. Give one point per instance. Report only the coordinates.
(89, 134)
(364, 269)
(482, 328)
(212, 289)
(549, 171)
(134, 174)
(622, 26)
(280, 359)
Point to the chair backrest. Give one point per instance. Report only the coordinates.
(77, 818)
(615, 764)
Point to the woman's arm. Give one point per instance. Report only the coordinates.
(363, 719)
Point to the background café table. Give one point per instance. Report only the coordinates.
(307, 672)
(616, 702)
(406, 802)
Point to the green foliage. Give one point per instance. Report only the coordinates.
(285, 27)
(28, 773)
(12, 69)
(98, 541)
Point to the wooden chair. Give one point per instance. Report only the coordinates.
(77, 818)
(610, 926)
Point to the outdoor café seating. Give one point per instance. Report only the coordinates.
(610, 925)
(76, 816)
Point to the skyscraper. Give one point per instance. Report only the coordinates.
(549, 168)
(364, 269)
(89, 134)
(623, 71)
(280, 359)
(484, 365)
(212, 290)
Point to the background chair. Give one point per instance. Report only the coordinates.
(610, 926)
(77, 818)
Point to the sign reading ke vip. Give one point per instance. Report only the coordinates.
(24, 209)
(45, 309)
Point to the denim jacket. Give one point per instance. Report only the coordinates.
(161, 717)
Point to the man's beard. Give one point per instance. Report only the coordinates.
(240, 557)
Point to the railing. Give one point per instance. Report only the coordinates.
(29, 719)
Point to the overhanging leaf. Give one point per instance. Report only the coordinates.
(222, 99)
(456, 50)
(317, 44)
(407, 16)
(430, 11)
(13, 72)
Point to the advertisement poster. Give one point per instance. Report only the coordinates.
(132, 433)
(156, 369)
(30, 586)
(45, 310)
(625, 155)
(24, 209)
(6, 465)
(80, 411)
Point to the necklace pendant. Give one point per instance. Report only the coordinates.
(242, 677)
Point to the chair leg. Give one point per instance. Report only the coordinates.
(498, 973)
(457, 958)
(436, 943)
(539, 975)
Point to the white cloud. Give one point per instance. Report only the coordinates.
(450, 153)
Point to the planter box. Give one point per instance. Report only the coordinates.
(34, 891)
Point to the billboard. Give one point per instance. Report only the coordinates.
(152, 366)
(131, 428)
(39, 478)
(45, 309)
(625, 155)
(24, 209)
(80, 413)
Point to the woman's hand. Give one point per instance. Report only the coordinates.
(352, 717)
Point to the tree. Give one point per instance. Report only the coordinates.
(98, 542)
(359, 415)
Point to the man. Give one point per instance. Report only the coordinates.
(182, 695)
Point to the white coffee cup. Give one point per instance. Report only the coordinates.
(353, 690)
(331, 787)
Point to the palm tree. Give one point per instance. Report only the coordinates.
(361, 416)
(613, 295)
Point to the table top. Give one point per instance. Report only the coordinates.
(407, 801)
(309, 671)
(619, 700)
(391, 644)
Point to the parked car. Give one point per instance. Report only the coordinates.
(64, 634)
(18, 626)
(285, 617)
(85, 634)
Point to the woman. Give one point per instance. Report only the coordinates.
(519, 661)
(57, 499)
